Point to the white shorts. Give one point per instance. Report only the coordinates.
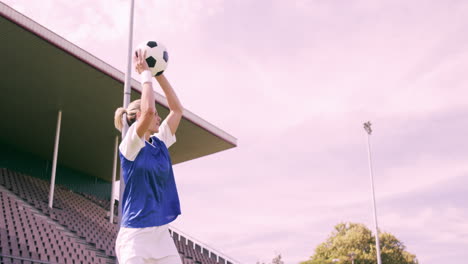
(146, 245)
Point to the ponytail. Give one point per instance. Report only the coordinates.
(118, 118)
(131, 111)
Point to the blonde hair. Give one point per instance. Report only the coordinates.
(131, 111)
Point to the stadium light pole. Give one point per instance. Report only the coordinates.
(367, 127)
(126, 98)
(114, 172)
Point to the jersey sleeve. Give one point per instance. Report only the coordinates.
(165, 134)
(131, 144)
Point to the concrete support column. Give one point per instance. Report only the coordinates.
(54, 162)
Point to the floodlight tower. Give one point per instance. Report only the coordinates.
(367, 127)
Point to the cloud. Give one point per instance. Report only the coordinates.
(294, 81)
(435, 214)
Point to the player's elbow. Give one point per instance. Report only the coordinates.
(148, 113)
(178, 110)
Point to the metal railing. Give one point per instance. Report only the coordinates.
(203, 245)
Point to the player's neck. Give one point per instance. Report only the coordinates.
(147, 135)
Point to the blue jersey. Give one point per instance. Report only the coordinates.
(150, 197)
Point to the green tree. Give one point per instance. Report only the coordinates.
(352, 241)
(275, 260)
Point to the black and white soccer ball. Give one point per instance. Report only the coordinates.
(156, 56)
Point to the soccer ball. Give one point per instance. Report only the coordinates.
(156, 56)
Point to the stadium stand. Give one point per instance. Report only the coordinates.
(75, 230)
(27, 236)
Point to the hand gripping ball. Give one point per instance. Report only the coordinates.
(156, 56)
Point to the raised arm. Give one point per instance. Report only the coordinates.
(175, 107)
(147, 108)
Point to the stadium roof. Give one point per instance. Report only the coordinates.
(43, 73)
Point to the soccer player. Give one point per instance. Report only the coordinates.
(150, 200)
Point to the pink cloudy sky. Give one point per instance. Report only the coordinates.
(294, 81)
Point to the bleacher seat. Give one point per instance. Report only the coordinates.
(27, 236)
